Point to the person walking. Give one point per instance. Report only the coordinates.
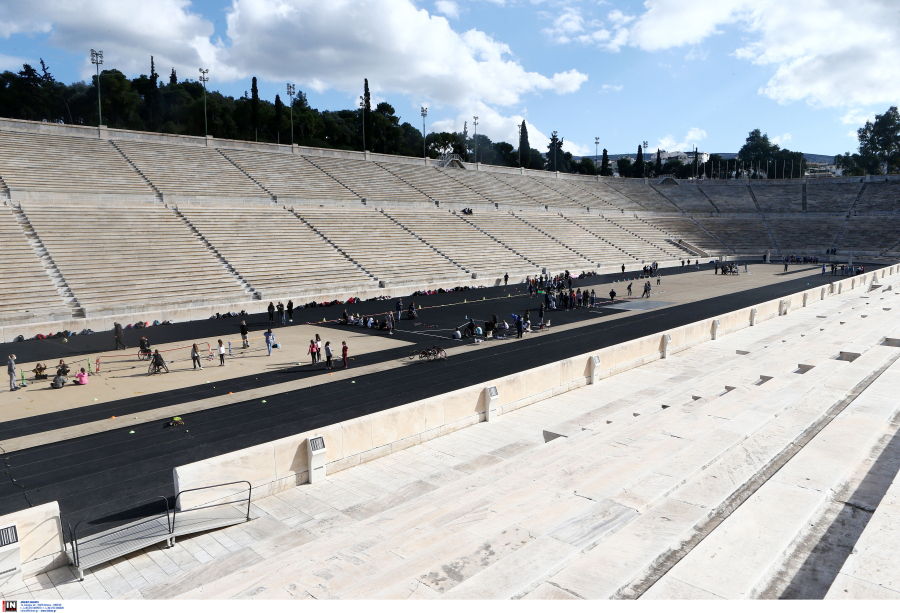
(541, 315)
(399, 308)
(281, 315)
(629, 289)
(271, 310)
(344, 352)
(646, 293)
(520, 327)
(717, 267)
(658, 277)
(623, 270)
(245, 334)
(120, 335)
(290, 310)
(270, 340)
(612, 295)
(312, 351)
(593, 299)
(505, 278)
(328, 365)
(11, 369)
(195, 357)
(390, 324)
(221, 353)
(318, 348)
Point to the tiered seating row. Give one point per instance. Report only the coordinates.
(463, 243)
(779, 198)
(744, 235)
(646, 195)
(536, 190)
(191, 171)
(369, 180)
(530, 242)
(611, 231)
(305, 262)
(832, 198)
(436, 185)
(289, 176)
(870, 234)
(576, 237)
(27, 288)
(688, 198)
(42, 163)
(880, 197)
(687, 229)
(730, 199)
(382, 247)
(486, 184)
(130, 256)
(805, 234)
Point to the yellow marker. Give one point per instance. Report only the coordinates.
(323, 320)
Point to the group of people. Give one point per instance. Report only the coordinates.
(696, 263)
(845, 270)
(729, 268)
(385, 321)
(316, 348)
(801, 259)
(567, 300)
(285, 314)
(40, 372)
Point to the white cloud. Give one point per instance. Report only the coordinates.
(669, 143)
(448, 8)
(696, 54)
(9, 62)
(610, 88)
(852, 134)
(570, 26)
(400, 47)
(857, 117)
(128, 31)
(780, 140)
(828, 52)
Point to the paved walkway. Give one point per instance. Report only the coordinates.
(575, 496)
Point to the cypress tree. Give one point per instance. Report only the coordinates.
(638, 172)
(254, 109)
(524, 147)
(658, 163)
(173, 78)
(367, 112)
(279, 107)
(604, 165)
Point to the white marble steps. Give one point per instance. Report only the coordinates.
(739, 556)
(870, 571)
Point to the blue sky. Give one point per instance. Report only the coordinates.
(672, 72)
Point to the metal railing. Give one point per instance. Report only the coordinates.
(73, 533)
(150, 529)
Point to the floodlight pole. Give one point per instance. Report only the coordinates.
(291, 90)
(424, 113)
(204, 79)
(97, 59)
(475, 123)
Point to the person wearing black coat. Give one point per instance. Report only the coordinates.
(245, 334)
(290, 310)
(120, 335)
(271, 310)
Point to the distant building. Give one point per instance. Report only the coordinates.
(684, 158)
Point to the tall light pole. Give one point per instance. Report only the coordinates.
(475, 123)
(291, 90)
(97, 59)
(596, 149)
(424, 113)
(204, 79)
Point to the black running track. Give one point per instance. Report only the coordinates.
(98, 473)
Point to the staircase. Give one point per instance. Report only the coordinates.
(245, 285)
(50, 267)
(158, 196)
(249, 176)
(432, 247)
(853, 206)
(496, 239)
(332, 243)
(553, 238)
(763, 217)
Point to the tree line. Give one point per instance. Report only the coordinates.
(879, 147)
(154, 104)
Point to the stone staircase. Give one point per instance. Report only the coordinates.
(245, 285)
(763, 217)
(248, 175)
(158, 197)
(53, 272)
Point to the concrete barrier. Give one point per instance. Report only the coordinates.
(282, 464)
(40, 538)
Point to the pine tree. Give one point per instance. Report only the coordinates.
(366, 104)
(524, 146)
(658, 163)
(279, 107)
(604, 165)
(638, 172)
(173, 78)
(254, 109)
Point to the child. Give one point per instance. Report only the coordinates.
(344, 352)
(221, 353)
(81, 378)
(328, 365)
(313, 350)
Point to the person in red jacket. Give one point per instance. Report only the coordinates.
(344, 352)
